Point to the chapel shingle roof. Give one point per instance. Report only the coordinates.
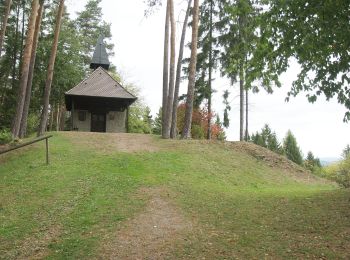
(100, 84)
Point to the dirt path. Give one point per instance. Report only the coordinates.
(150, 235)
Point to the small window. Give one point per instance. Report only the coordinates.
(82, 115)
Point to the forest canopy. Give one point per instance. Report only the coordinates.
(250, 42)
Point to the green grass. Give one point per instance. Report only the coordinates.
(241, 207)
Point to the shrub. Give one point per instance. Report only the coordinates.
(32, 123)
(221, 136)
(343, 174)
(139, 119)
(339, 172)
(5, 136)
(199, 127)
(197, 132)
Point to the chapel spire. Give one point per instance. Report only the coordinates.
(100, 57)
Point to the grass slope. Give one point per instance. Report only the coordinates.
(240, 206)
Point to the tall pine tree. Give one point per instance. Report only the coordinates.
(186, 131)
(91, 25)
(25, 69)
(50, 70)
(246, 57)
(291, 148)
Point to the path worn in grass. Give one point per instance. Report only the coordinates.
(151, 234)
(231, 202)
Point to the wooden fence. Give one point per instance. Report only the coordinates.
(46, 138)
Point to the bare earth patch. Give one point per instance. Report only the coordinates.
(150, 235)
(113, 142)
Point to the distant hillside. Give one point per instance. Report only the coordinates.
(325, 161)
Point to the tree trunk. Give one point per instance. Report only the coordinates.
(52, 112)
(62, 117)
(169, 106)
(4, 23)
(178, 73)
(58, 117)
(14, 55)
(242, 61)
(246, 115)
(241, 103)
(186, 132)
(210, 68)
(25, 69)
(22, 34)
(44, 114)
(165, 68)
(23, 127)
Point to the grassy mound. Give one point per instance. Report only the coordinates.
(240, 201)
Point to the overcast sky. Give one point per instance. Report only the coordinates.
(138, 56)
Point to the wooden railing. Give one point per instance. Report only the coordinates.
(46, 138)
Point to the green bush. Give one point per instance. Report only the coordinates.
(339, 172)
(221, 136)
(5, 136)
(32, 123)
(343, 174)
(197, 132)
(139, 119)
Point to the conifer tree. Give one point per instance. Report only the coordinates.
(273, 144)
(69, 68)
(23, 126)
(173, 130)
(171, 88)
(165, 69)
(50, 70)
(25, 69)
(226, 122)
(186, 132)
(346, 152)
(207, 54)
(237, 38)
(4, 23)
(90, 26)
(311, 162)
(291, 148)
(268, 139)
(310, 156)
(246, 57)
(9, 67)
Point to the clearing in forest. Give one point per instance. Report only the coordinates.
(133, 196)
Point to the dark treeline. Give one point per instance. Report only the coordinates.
(250, 42)
(76, 41)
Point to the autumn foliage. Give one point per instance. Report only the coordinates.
(199, 123)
